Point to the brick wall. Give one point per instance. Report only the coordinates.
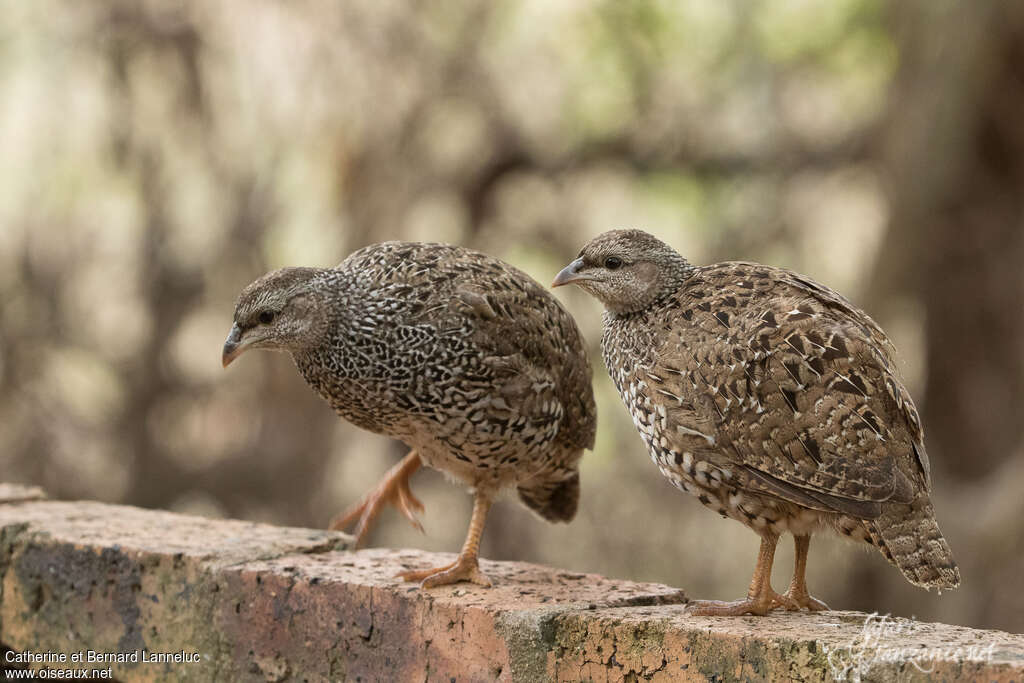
(241, 601)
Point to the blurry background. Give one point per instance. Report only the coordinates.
(158, 156)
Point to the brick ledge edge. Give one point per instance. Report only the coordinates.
(258, 602)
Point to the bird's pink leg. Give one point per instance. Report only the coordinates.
(466, 566)
(392, 490)
(761, 598)
(798, 587)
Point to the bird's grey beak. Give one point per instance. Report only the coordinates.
(233, 346)
(571, 273)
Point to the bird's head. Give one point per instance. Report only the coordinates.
(626, 270)
(280, 311)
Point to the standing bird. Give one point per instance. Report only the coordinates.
(773, 400)
(465, 359)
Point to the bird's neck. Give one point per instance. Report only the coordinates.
(672, 276)
(322, 304)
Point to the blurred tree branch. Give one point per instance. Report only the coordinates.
(956, 237)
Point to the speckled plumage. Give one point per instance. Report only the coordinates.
(769, 397)
(464, 358)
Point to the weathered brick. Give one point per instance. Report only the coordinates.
(18, 493)
(267, 603)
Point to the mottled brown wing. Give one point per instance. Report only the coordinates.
(534, 344)
(904, 412)
(786, 383)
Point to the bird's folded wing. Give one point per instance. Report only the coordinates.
(793, 400)
(535, 352)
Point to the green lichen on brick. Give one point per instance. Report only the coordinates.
(570, 638)
(751, 659)
(807, 661)
(49, 576)
(263, 603)
(529, 637)
(646, 637)
(9, 535)
(122, 604)
(635, 649)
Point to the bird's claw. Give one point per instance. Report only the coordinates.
(719, 608)
(784, 601)
(804, 600)
(758, 605)
(392, 491)
(456, 572)
(409, 505)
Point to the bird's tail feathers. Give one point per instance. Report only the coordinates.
(913, 542)
(553, 498)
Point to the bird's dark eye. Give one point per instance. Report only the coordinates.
(612, 262)
(266, 317)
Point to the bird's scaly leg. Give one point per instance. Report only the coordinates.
(798, 587)
(760, 597)
(466, 566)
(393, 490)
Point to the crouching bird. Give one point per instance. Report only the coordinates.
(773, 400)
(465, 359)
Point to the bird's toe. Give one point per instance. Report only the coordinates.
(804, 600)
(786, 602)
(456, 572)
(736, 608)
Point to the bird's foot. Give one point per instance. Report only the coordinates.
(393, 490)
(801, 599)
(456, 572)
(736, 608)
(784, 601)
(758, 605)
